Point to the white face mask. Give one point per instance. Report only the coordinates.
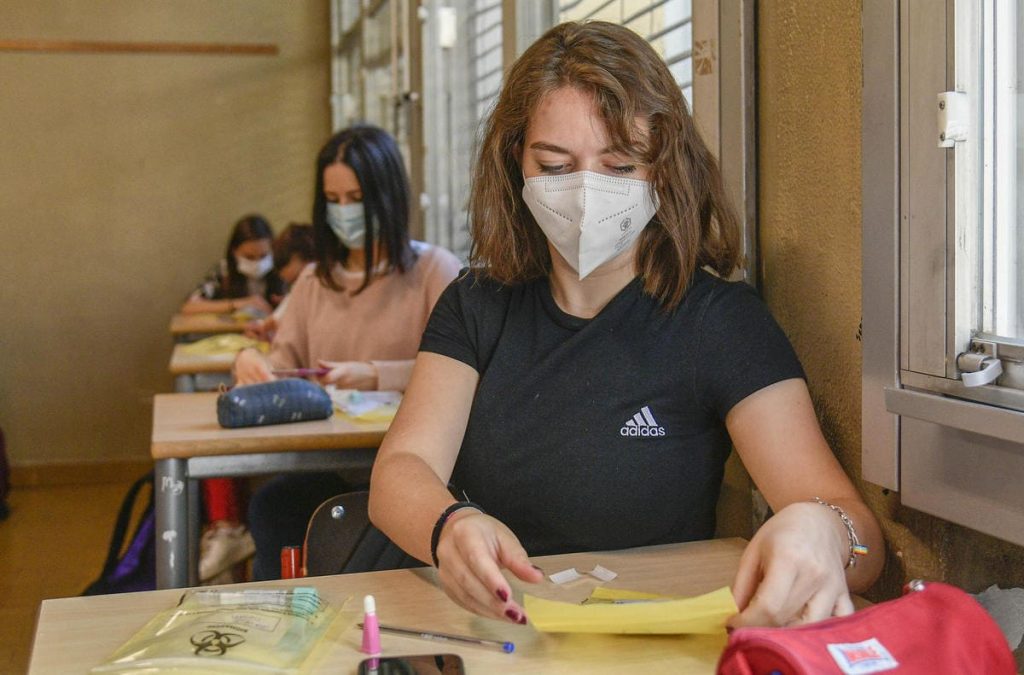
(255, 269)
(588, 217)
(348, 222)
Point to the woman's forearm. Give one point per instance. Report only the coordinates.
(868, 567)
(202, 305)
(406, 499)
(408, 488)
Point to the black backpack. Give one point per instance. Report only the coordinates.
(135, 570)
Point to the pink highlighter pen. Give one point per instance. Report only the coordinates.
(371, 629)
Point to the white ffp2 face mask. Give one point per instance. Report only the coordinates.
(348, 222)
(588, 217)
(254, 269)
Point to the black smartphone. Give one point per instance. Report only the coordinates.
(421, 664)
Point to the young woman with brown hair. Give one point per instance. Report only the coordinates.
(584, 382)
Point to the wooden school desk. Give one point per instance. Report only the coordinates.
(187, 324)
(75, 634)
(185, 366)
(183, 363)
(188, 444)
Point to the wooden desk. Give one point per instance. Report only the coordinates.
(183, 363)
(185, 367)
(75, 634)
(184, 324)
(188, 444)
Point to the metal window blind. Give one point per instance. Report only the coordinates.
(666, 24)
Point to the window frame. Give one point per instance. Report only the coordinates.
(919, 421)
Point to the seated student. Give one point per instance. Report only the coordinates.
(245, 277)
(360, 311)
(584, 381)
(293, 251)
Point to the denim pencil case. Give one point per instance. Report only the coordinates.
(277, 402)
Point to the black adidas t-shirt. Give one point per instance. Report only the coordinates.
(603, 433)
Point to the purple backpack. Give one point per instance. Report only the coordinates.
(136, 569)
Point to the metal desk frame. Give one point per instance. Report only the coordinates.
(177, 502)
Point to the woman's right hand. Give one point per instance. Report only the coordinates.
(471, 552)
(251, 368)
(262, 329)
(256, 302)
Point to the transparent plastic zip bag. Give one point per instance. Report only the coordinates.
(228, 631)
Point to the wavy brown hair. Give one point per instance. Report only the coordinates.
(694, 226)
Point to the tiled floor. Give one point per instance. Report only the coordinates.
(52, 545)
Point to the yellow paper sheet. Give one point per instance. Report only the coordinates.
(653, 614)
(228, 343)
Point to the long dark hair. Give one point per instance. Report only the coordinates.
(234, 284)
(373, 156)
(695, 224)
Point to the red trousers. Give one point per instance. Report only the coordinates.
(222, 498)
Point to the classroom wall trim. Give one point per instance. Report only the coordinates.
(87, 46)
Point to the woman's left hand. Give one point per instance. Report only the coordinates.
(350, 374)
(793, 570)
(262, 329)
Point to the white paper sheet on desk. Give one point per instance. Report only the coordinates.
(367, 406)
(610, 610)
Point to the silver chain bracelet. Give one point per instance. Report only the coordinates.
(857, 549)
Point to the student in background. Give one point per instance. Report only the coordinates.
(245, 277)
(294, 248)
(293, 251)
(585, 382)
(358, 312)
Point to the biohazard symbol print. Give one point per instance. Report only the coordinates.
(215, 643)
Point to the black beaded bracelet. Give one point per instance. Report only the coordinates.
(435, 536)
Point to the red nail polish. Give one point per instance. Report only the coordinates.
(522, 619)
(502, 594)
(513, 614)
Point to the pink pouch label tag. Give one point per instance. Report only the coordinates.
(861, 658)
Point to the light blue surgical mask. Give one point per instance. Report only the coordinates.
(348, 222)
(254, 269)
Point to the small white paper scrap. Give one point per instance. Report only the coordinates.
(602, 573)
(565, 576)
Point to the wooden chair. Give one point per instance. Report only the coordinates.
(335, 531)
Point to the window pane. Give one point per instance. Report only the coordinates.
(1002, 281)
(666, 24)
(462, 77)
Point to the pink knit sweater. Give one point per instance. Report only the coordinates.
(381, 324)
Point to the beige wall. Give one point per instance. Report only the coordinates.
(809, 54)
(120, 177)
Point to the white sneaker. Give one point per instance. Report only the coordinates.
(222, 546)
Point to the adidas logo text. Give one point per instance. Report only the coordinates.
(642, 424)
